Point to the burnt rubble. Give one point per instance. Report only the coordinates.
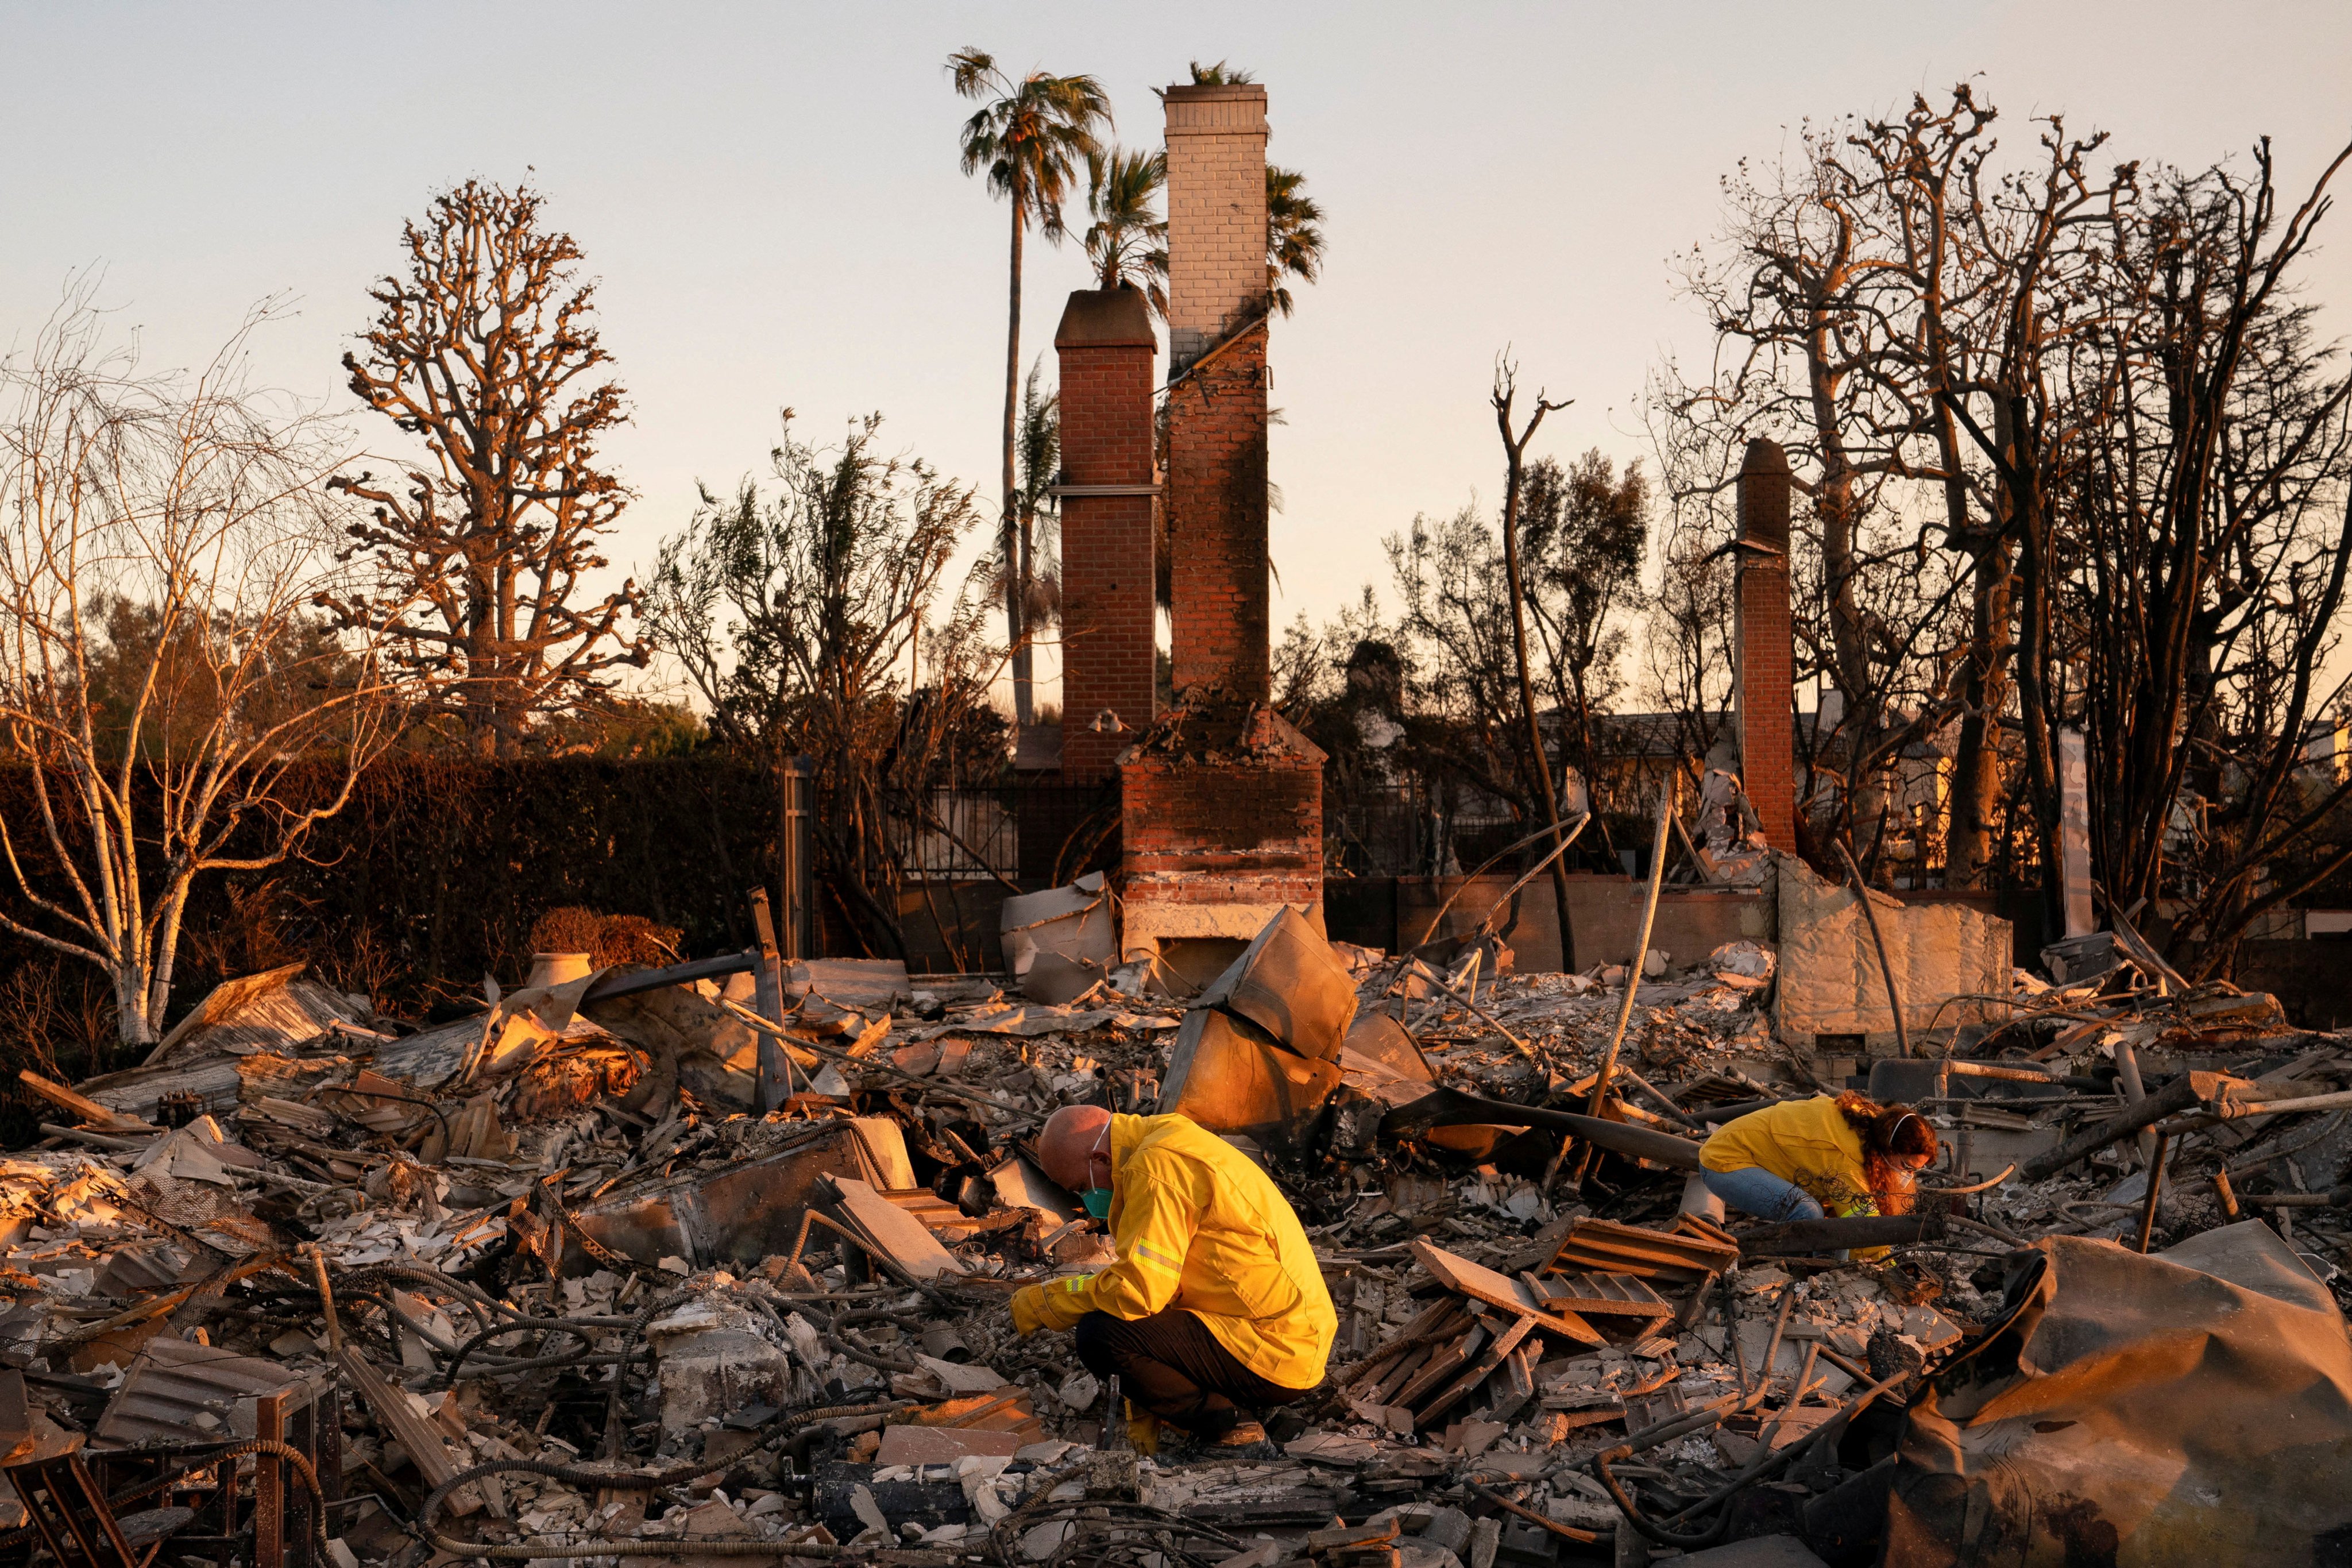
(640, 1268)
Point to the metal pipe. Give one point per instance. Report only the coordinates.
(2016, 1072)
(2127, 1073)
(2178, 1095)
(1885, 968)
(609, 985)
(1801, 1237)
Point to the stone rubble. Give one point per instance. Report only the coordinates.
(485, 1202)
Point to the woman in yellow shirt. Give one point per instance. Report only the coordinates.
(1804, 1159)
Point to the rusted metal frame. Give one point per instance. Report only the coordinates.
(97, 1543)
(269, 1485)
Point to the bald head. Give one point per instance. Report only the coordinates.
(1069, 1136)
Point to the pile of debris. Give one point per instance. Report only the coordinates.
(713, 1259)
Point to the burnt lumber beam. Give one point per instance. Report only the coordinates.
(1452, 1107)
(2184, 1091)
(1800, 1238)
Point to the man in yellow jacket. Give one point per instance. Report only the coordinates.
(1215, 1306)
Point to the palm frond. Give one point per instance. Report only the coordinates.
(1128, 242)
(1294, 234)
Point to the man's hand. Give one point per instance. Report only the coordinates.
(1029, 1309)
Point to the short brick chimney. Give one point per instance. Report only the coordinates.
(1105, 346)
(1217, 388)
(1764, 677)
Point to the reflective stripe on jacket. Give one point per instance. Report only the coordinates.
(1200, 1227)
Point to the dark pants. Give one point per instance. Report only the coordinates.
(1171, 1365)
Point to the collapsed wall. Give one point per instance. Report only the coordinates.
(1222, 825)
(1948, 959)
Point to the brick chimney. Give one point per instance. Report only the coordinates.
(1220, 800)
(1764, 677)
(1105, 346)
(1217, 387)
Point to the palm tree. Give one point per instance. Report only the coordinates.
(1041, 515)
(1128, 241)
(1294, 235)
(1028, 136)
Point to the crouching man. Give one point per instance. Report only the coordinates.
(1214, 1308)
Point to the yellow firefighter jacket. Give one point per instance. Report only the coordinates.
(1808, 1143)
(1198, 1226)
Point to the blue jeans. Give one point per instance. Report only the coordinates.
(1760, 1193)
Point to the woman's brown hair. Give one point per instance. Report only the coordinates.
(1888, 1132)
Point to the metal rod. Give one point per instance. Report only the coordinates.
(1885, 968)
(2155, 1187)
(1641, 949)
(1533, 871)
(1432, 976)
(609, 985)
(327, 1299)
(1780, 1327)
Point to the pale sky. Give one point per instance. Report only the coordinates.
(770, 193)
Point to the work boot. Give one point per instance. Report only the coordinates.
(1142, 1432)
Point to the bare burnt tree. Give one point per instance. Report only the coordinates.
(177, 709)
(2085, 410)
(1686, 653)
(2009, 276)
(1868, 293)
(486, 348)
(1452, 588)
(2205, 539)
(1538, 762)
(1587, 535)
(1799, 306)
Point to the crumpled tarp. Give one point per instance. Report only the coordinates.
(2192, 1406)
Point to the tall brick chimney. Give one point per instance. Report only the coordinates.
(1217, 387)
(1221, 799)
(1765, 666)
(1105, 347)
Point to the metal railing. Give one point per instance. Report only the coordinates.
(1036, 834)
